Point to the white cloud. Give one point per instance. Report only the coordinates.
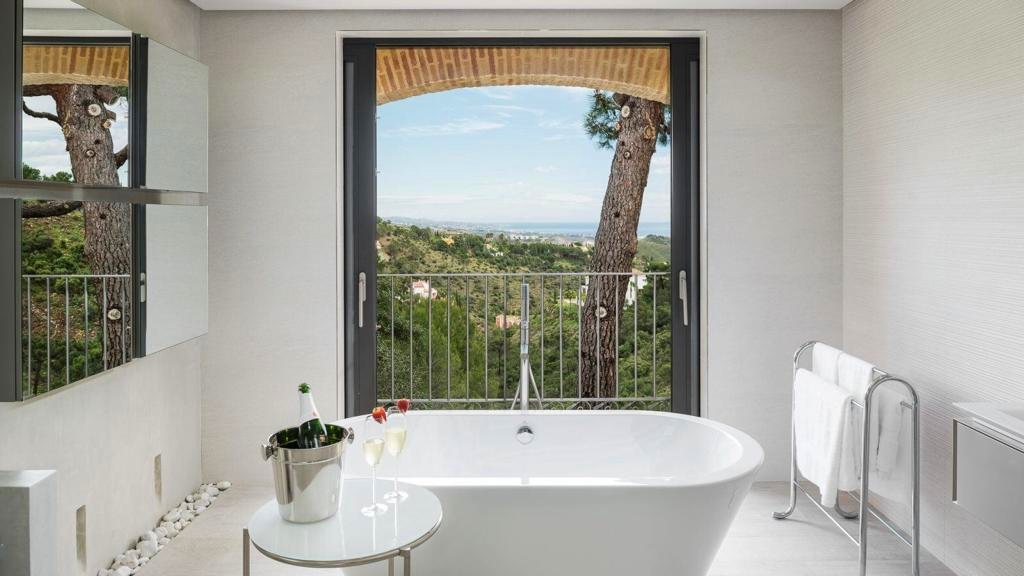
(507, 110)
(495, 93)
(453, 128)
(547, 169)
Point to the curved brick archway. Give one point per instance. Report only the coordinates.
(403, 72)
(75, 64)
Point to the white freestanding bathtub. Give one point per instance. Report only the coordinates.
(603, 493)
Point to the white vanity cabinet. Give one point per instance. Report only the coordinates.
(988, 475)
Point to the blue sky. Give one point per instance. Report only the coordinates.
(499, 155)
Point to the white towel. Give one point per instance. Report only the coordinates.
(891, 419)
(855, 376)
(825, 362)
(820, 410)
(890, 476)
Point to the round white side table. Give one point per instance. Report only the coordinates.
(348, 538)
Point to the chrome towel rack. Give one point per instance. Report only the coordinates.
(861, 541)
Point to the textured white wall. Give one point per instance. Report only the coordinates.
(171, 22)
(934, 225)
(774, 208)
(101, 435)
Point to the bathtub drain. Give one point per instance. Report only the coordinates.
(524, 434)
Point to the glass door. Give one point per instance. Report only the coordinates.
(499, 189)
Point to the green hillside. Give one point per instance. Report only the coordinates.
(415, 249)
(453, 344)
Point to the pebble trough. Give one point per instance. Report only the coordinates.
(170, 525)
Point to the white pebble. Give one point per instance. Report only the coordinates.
(170, 526)
(147, 548)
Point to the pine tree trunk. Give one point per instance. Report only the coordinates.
(615, 244)
(108, 226)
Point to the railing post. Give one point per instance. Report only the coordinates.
(502, 320)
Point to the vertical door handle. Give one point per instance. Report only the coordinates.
(362, 296)
(684, 295)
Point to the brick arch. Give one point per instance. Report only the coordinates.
(403, 72)
(75, 64)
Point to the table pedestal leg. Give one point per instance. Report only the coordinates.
(406, 562)
(245, 552)
(391, 566)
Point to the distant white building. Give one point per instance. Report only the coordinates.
(637, 282)
(423, 289)
(504, 321)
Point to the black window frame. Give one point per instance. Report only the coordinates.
(358, 71)
(12, 41)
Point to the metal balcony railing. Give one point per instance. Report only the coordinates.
(444, 339)
(73, 326)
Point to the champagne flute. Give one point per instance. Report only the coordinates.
(395, 433)
(373, 449)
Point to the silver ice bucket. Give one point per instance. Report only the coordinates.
(307, 481)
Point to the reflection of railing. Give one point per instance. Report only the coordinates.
(74, 325)
(444, 339)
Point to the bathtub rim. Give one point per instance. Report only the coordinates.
(748, 464)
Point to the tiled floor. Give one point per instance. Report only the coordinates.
(806, 544)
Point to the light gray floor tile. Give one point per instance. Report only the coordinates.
(807, 544)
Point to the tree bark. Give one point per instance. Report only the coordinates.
(615, 243)
(49, 209)
(108, 226)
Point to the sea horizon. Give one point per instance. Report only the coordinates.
(584, 229)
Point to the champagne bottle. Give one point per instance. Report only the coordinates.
(312, 432)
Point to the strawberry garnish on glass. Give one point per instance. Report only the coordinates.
(379, 414)
(403, 405)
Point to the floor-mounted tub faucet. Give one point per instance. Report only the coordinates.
(526, 379)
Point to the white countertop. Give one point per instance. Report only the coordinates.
(1005, 418)
(349, 538)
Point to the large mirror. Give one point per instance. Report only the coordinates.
(107, 278)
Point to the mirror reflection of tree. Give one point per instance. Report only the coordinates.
(83, 113)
